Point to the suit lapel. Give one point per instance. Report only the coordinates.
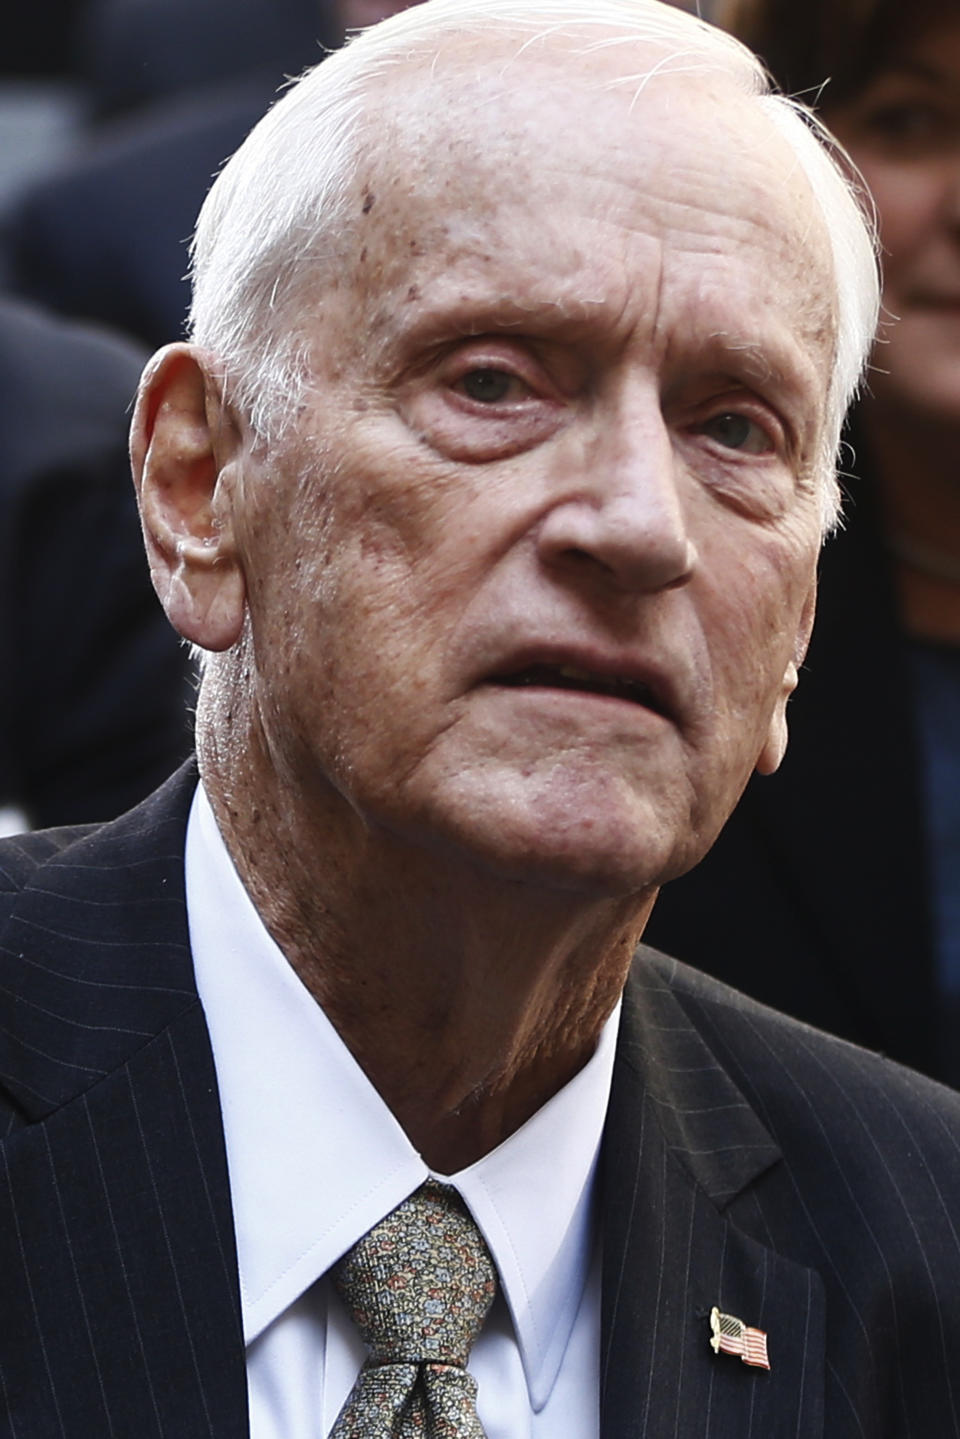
(681, 1142)
(116, 1234)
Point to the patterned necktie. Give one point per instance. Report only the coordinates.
(418, 1287)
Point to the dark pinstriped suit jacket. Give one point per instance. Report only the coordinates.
(803, 1185)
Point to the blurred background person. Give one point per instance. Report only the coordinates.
(96, 687)
(102, 233)
(834, 892)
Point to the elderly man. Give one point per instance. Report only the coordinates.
(341, 1099)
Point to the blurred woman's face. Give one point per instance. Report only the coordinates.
(903, 131)
(356, 14)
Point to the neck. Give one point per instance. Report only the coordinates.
(468, 998)
(916, 465)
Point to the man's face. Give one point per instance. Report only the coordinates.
(531, 579)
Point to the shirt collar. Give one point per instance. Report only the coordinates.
(316, 1158)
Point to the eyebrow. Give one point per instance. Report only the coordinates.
(778, 360)
(481, 314)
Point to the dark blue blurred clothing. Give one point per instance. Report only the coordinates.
(135, 52)
(105, 236)
(95, 684)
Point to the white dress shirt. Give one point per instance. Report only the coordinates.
(316, 1159)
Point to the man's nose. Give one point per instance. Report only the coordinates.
(621, 518)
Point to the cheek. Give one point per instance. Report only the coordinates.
(417, 537)
(908, 200)
(375, 589)
(754, 623)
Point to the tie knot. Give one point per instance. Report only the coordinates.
(418, 1286)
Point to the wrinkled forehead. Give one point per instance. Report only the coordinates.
(470, 100)
(474, 135)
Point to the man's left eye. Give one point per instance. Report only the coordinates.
(487, 386)
(737, 432)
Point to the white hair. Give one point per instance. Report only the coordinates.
(276, 217)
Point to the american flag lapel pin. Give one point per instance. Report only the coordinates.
(731, 1336)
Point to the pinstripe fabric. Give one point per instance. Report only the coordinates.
(686, 1141)
(845, 1248)
(119, 1310)
(800, 1184)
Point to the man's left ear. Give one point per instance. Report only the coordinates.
(184, 450)
(771, 756)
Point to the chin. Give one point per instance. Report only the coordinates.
(597, 851)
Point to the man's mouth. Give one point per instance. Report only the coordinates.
(572, 677)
